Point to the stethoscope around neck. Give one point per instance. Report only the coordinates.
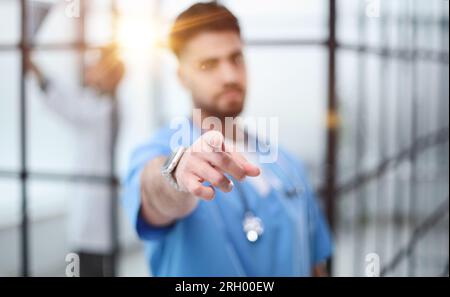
(252, 224)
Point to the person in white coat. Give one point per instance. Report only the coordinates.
(91, 111)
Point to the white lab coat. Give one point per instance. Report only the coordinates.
(89, 216)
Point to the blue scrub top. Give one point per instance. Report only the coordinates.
(211, 241)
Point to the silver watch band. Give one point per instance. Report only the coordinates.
(170, 166)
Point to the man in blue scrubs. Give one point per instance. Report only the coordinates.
(210, 204)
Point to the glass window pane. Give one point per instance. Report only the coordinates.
(58, 217)
(48, 226)
(99, 22)
(10, 217)
(54, 21)
(9, 107)
(9, 21)
(172, 93)
(293, 90)
(432, 17)
(51, 137)
(286, 19)
(361, 21)
(348, 20)
(347, 90)
(390, 23)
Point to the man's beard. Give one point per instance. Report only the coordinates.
(214, 109)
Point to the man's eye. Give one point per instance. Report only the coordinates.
(238, 59)
(207, 66)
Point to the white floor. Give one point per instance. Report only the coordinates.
(133, 264)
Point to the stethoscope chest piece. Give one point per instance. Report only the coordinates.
(253, 227)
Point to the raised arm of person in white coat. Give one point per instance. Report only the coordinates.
(83, 106)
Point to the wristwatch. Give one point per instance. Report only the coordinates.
(170, 165)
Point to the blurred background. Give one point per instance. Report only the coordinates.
(362, 95)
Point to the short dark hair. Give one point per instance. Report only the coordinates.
(201, 17)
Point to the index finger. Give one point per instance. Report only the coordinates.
(249, 168)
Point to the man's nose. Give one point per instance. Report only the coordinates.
(229, 73)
